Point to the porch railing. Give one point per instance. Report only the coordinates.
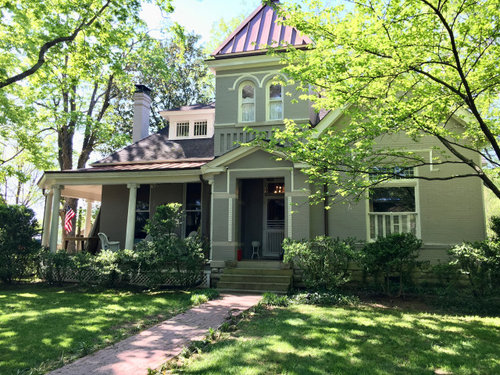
(385, 223)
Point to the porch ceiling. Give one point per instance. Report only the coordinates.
(88, 192)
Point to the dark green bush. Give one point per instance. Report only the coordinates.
(54, 267)
(495, 227)
(324, 299)
(107, 268)
(272, 299)
(324, 260)
(391, 259)
(480, 262)
(18, 226)
(81, 265)
(167, 253)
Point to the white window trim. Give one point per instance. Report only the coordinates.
(240, 101)
(268, 101)
(410, 182)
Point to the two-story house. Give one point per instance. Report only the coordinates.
(242, 197)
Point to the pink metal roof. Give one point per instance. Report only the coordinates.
(258, 31)
(141, 167)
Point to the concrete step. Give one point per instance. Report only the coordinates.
(255, 286)
(250, 291)
(229, 277)
(267, 264)
(258, 271)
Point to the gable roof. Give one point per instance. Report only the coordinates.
(158, 148)
(258, 31)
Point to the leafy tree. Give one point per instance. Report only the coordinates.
(175, 72)
(407, 67)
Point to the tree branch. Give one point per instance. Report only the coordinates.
(48, 45)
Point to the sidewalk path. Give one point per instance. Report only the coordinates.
(152, 347)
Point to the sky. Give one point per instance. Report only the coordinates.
(198, 16)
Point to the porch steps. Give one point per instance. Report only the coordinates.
(257, 277)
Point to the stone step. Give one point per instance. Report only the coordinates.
(250, 291)
(236, 277)
(255, 286)
(258, 271)
(267, 264)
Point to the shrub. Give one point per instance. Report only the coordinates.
(324, 299)
(82, 264)
(324, 260)
(392, 257)
(480, 261)
(271, 299)
(54, 267)
(18, 226)
(182, 258)
(495, 227)
(107, 268)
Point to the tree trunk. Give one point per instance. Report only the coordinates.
(73, 204)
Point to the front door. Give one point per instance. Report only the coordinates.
(274, 226)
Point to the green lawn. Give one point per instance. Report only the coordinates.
(304, 339)
(40, 326)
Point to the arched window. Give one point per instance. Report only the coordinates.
(274, 102)
(247, 102)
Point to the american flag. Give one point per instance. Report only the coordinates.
(68, 225)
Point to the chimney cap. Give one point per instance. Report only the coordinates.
(143, 88)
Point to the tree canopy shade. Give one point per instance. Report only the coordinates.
(423, 69)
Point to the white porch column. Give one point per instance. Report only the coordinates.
(132, 198)
(47, 214)
(88, 218)
(54, 222)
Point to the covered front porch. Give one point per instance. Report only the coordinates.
(127, 200)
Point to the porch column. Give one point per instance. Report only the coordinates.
(54, 222)
(46, 218)
(132, 198)
(88, 219)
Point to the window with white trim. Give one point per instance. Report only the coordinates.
(392, 206)
(200, 128)
(275, 102)
(247, 102)
(182, 129)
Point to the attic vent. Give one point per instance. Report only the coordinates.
(182, 129)
(200, 128)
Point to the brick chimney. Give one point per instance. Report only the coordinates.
(142, 108)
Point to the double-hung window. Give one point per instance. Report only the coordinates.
(247, 102)
(393, 207)
(275, 102)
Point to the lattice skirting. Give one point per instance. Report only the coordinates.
(142, 279)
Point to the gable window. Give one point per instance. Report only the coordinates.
(247, 102)
(200, 128)
(275, 102)
(182, 129)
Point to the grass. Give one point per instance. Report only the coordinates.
(304, 339)
(43, 327)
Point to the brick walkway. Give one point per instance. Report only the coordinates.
(152, 347)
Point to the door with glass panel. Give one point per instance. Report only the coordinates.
(274, 219)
